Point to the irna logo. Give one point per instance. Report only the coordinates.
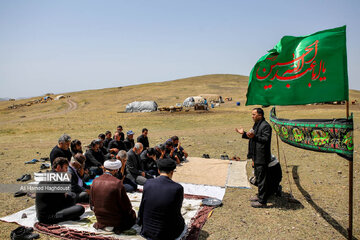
(53, 177)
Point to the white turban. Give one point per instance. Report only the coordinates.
(112, 164)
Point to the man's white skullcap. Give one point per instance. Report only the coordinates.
(112, 164)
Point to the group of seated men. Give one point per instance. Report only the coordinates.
(122, 164)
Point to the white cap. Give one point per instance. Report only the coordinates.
(112, 164)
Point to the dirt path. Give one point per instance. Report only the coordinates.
(72, 107)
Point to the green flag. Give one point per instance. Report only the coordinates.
(302, 70)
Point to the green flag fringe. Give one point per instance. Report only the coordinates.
(323, 135)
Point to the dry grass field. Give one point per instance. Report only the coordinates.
(318, 181)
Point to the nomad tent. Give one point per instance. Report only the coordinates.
(59, 97)
(213, 98)
(145, 106)
(191, 101)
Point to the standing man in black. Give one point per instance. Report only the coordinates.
(144, 139)
(260, 152)
(160, 208)
(62, 149)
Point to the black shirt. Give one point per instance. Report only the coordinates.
(259, 148)
(103, 150)
(147, 162)
(122, 136)
(116, 144)
(144, 140)
(47, 204)
(168, 155)
(106, 142)
(129, 143)
(58, 152)
(94, 159)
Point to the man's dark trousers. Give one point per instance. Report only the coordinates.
(261, 174)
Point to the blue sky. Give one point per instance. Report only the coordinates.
(62, 46)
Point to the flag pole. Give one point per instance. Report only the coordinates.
(351, 182)
(277, 143)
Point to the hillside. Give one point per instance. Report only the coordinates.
(31, 132)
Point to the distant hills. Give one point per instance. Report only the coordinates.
(4, 99)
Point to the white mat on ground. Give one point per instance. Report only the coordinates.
(237, 176)
(202, 190)
(189, 210)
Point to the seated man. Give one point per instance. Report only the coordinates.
(54, 207)
(134, 168)
(143, 139)
(76, 169)
(109, 201)
(160, 208)
(116, 144)
(148, 160)
(170, 152)
(275, 176)
(160, 151)
(75, 147)
(119, 129)
(94, 158)
(107, 139)
(130, 186)
(178, 149)
(62, 149)
(101, 139)
(129, 141)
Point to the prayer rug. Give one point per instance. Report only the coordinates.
(194, 214)
(203, 171)
(237, 176)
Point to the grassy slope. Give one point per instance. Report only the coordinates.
(210, 132)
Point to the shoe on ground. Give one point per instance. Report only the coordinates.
(20, 178)
(222, 157)
(32, 161)
(19, 194)
(26, 177)
(254, 199)
(226, 157)
(204, 155)
(258, 205)
(45, 166)
(23, 233)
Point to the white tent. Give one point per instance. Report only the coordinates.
(145, 106)
(191, 101)
(213, 98)
(59, 97)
